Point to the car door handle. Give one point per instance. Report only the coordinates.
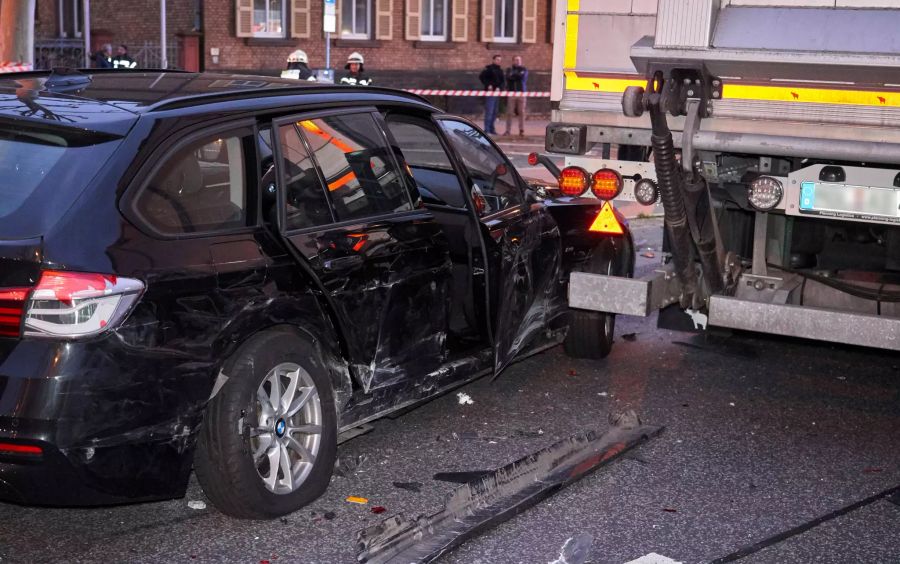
(342, 263)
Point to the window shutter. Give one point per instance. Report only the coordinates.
(338, 4)
(384, 19)
(300, 22)
(460, 25)
(243, 18)
(487, 21)
(529, 21)
(413, 20)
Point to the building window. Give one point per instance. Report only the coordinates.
(71, 18)
(268, 18)
(434, 20)
(505, 16)
(355, 18)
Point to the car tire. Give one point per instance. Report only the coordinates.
(241, 421)
(590, 333)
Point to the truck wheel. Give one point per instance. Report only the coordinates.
(269, 437)
(590, 333)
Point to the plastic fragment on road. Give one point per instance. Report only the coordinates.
(357, 499)
(378, 509)
(485, 502)
(653, 558)
(410, 486)
(575, 550)
(349, 465)
(464, 398)
(197, 504)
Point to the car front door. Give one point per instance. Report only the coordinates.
(521, 237)
(381, 260)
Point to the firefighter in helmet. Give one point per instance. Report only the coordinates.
(356, 76)
(297, 67)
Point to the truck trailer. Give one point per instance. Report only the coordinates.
(770, 137)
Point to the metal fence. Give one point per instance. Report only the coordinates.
(59, 52)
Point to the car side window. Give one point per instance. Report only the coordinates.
(201, 188)
(306, 204)
(430, 164)
(360, 173)
(492, 176)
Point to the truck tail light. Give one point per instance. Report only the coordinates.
(78, 304)
(606, 184)
(533, 159)
(573, 181)
(12, 305)
(20, 449)
(606, 222)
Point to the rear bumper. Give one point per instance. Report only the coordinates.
(114, 425)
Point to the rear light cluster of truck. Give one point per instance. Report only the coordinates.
(605, 184)
(67, 304)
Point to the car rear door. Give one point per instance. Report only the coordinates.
(521, 238)
(381, 260)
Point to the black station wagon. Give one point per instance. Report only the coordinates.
(225, 272)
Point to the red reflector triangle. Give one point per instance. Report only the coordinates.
(606, 222)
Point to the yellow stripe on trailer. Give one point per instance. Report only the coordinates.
(738, 91)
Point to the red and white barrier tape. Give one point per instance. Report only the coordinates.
(6, 66)
(501, 93)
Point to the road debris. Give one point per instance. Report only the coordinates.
(329, 515)
(350, 434)
(648, 254)
(349, 465)
(464, 398)
(378, 509)
(357, 499)
(485, 502)
(197, 504)
(462, 477)
(575, 550)
(653, 558)
(411, 486)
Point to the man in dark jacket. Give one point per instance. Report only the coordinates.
(516, 81)
(122, 60)
(103, 57)
(492, 79)
(357, 75)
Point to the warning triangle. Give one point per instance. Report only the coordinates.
(607, 222)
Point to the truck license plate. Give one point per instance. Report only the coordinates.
(871, 203)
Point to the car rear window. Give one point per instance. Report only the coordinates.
(42, 172)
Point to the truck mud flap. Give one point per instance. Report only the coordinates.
(624, 296)
(876, 331)
(483, 503)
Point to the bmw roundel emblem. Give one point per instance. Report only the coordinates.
(279, 427)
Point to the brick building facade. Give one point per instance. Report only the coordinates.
(406, 43)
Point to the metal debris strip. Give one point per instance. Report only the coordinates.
(483, 503)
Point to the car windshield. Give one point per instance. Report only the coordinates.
(42, 171)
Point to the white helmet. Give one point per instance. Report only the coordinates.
(355, 57)
(298, 56)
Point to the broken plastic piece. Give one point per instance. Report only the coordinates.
(197, 505)
(411, 486)
(359, 500)
(349, 465)
(464, 398)
(378, 509)
(488, 501)
(575, 550)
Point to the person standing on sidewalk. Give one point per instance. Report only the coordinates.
(357, 75)
(492, 79)
(122, 60)
(516, 81)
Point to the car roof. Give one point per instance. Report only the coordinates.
(110, 100)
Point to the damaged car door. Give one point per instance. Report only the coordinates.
(382, 262)
(521, 237)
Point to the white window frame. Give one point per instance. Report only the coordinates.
(69, 9)
(271, 34)
(428, 15)
(501, 16)
(352, 11)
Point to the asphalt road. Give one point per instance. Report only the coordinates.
(763, 436)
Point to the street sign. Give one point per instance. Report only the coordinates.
(330, 20)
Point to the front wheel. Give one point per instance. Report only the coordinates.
(269, 438)
(590, 333)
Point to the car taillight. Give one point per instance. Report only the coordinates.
(12, 305)
(606, 222)
(20, 449)
(606, 184)
(78, 304)
(573, 181)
